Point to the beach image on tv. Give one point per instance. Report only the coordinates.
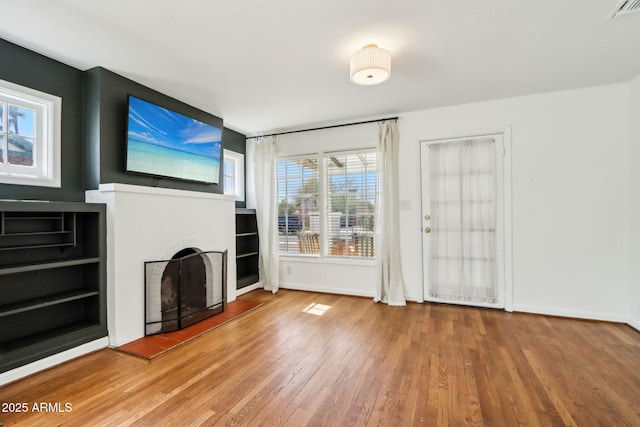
(165, 143)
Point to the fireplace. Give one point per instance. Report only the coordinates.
(150, 223)
(184, 290)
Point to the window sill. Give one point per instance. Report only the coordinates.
(33, 181)
(370, 262)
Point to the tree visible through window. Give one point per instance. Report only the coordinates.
(18, 135)
(298, 194)
(327, 204)
(352, 188)
(29, 134)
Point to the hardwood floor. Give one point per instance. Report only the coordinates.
(317, 359)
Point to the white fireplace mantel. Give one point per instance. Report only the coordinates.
(150, 223)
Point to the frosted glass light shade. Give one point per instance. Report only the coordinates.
(370, 65)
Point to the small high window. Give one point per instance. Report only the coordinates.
(233, 174)
(29, 136)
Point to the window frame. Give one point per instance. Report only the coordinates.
(238, 187)
(324, 255)
(46, 170)
(327, 193)
(318, 158)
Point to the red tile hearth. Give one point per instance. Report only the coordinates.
(155, 345)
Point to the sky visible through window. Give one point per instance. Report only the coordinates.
(21, 121)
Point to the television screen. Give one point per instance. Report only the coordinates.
(162, 142)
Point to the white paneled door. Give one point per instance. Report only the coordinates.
(463, 221)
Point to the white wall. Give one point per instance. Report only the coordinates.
(571, 182)
(634, 159)
(570, 204)
(150, 224)
(353, 277)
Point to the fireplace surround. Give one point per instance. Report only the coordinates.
(146, 223)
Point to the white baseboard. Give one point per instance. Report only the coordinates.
(607, 317)
(343, 291)
(56, 359)
(327, 290)
(414, 298)
(246, 289)
(635, 324)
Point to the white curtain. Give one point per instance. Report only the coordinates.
(390, 283)
(267, 212)
(462, 249)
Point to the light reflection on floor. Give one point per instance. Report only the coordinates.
(317, 309)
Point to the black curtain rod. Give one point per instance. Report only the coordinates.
(325, 127)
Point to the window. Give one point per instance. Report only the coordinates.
(327, 204)
(352, 194)
(298, 188)
(29, 136)
(233, 174)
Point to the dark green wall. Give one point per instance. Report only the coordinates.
(106, 100)
(237, 142)
(27, 68)
(93, 133)
(234, 141)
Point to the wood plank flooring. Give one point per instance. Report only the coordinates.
(328, 360)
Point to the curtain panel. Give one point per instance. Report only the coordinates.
(267, 212)
(462, 264)
(390, 283)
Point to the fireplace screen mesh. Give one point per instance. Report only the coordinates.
(184, 290)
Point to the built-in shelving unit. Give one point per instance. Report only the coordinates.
(247, 247)
(52, 278)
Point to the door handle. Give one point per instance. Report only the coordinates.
(427, 229)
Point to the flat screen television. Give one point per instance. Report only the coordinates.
(164, 143)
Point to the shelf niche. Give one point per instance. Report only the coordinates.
(247, 248)
(52, 278)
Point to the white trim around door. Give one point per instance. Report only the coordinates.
(466, 220)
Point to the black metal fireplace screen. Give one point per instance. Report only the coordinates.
(184, 290)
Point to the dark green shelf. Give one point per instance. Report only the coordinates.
(247, 248)
(52, 278)
(47, 343)
(40, 217)
(247, 254)
(53, 245)
(21, 268)
(247, 280)
(34, 233)
(46, 301)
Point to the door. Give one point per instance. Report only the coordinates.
(463, 220)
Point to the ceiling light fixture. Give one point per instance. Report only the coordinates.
(370, 65)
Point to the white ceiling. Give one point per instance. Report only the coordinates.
(273, 65)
